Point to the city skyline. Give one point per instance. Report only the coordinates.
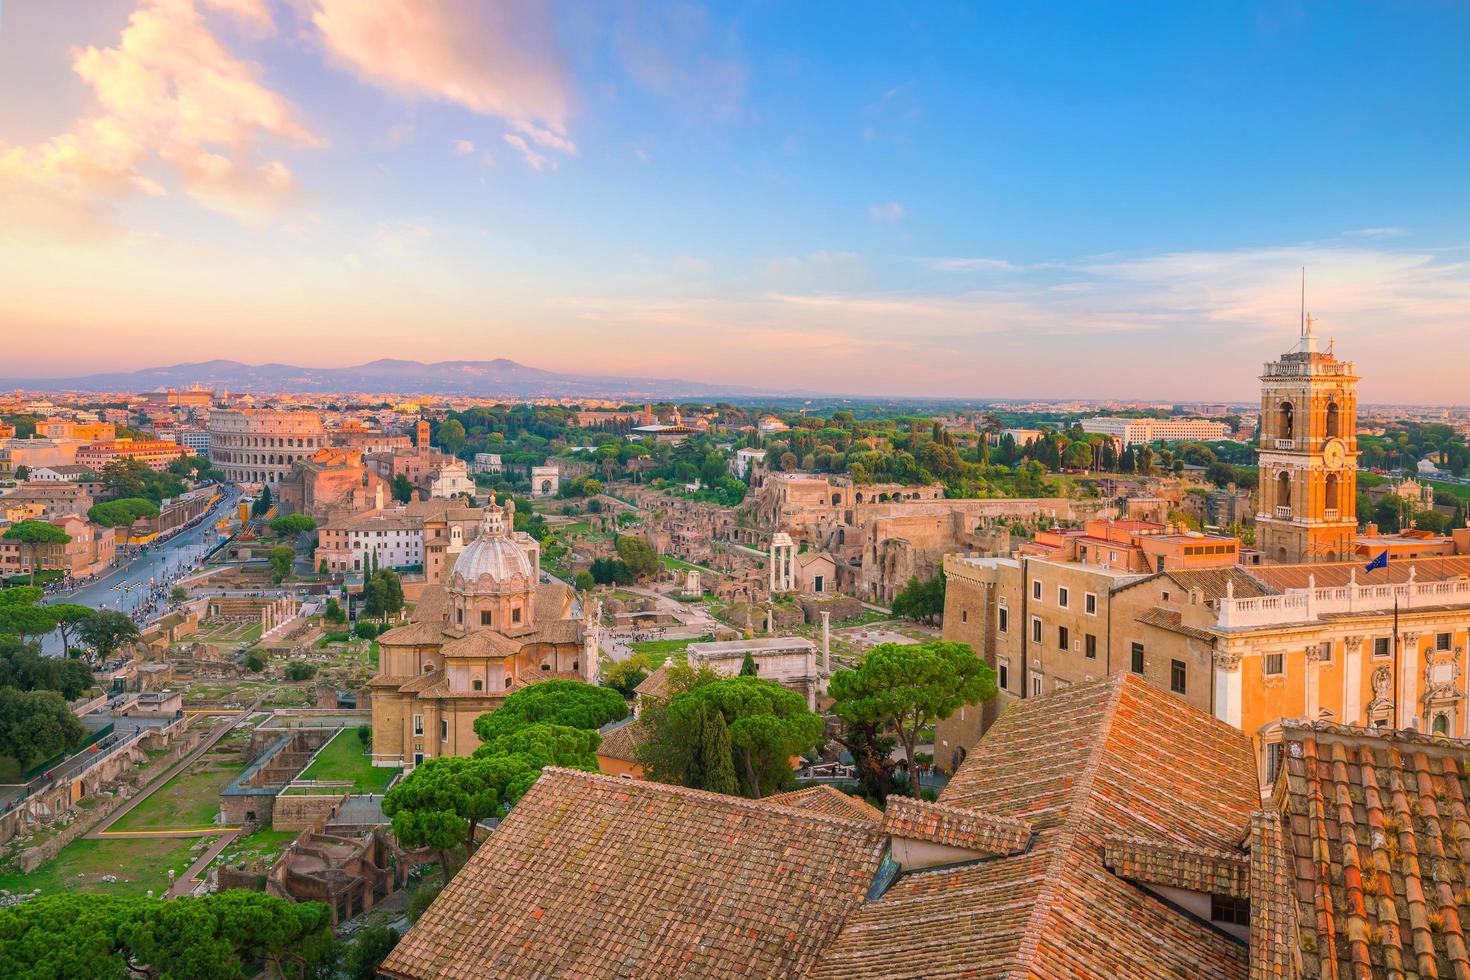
(973, 203)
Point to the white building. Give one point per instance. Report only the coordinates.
(742, 461)
(450, 479)
(1141, 432)
(398, 540)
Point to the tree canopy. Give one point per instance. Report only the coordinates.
(122, 512)
(31, 535)
(570, 703)
(110, 937)
(290, 525)
(921, 599)
(24, 667)
(37, 725)
(767, 725)
(906, 688)
(105, 631)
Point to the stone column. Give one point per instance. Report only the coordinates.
(826, 643)
(1408, 707)
(1352, 681)
(771, 569)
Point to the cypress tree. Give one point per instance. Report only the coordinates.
(719, 763)
(694, 772)
(748, 667)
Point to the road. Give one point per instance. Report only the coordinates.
(126, 587)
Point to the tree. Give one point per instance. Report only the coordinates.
(402, 489)
(574, 704)
(178, 594)
(22, 472)
(68, 616)
(290, 525)
(921, 600)
(300, 670)
(334, 613)
(625, 675)
(638, 555)
(584, 582)
(24, 620)
(254, 661)
(123, 512)
(748, 666)
(716, 757)
(364, 630)
(25, 668)
(369, 951)
(262, 503)
(767, 725)
(31, 535)
(105, 631)
(788, 462)
(281, 558)
(37, 725)
(451, 436)
(440, 802)
(365, 735)
(908, 688)
(217, 936)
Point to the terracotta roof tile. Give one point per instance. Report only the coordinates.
(1173, 621)
(1202, 869)
(829, 800)
(622, 741)
(954, 826)
(593, 876)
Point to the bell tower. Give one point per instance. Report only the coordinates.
(1308, 455)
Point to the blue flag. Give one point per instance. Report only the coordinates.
(1380, 562)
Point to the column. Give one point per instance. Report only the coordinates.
(771, 568)
(1227, 687)
(1352, 681)
(1314, 669)
(1408, 707)
(826, 643)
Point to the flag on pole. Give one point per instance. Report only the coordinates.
(1380, 562)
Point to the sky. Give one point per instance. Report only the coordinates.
(928, 198)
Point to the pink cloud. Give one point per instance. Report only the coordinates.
(173, 106)
(494, 58)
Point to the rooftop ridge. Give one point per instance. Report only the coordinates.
(761, 806)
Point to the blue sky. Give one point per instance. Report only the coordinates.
(960, 199)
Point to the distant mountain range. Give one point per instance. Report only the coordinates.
(495, 378)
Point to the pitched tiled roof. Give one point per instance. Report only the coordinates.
(1434, 569)
(414, 634)
(622, 742)
(1110, 757)
(1200, 869)
(1379, 832)
(555, 631)
(593, 876)
(829, 800)
(552, 600)
(1171, 620)
(1275, 942)
(482, 643)
(655, 684)
(954, 826)
(1215, 582)
(433, 605)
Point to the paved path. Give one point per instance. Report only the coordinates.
(185, 883)
(100, 831)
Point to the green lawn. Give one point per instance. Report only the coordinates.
(678, 563)
(258, 849)
(345, 758)
(373, 654)
(190, 800)
(140, 863)
(657, 651)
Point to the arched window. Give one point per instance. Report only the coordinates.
(1334, 421)
(1441, 724)
(1288, 421)
(1332, 493)
(1283, 489)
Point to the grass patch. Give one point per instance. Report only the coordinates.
(258, 849)
(140, 863)
(679, 564)
(189, 800)
(373, 654)
(657, 651)
(344, 757)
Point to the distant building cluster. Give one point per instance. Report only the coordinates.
(1142, 431)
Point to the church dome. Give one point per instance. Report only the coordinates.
(493, 562)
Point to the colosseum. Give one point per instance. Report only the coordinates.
(257, 445)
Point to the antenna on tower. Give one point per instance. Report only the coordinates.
(1303, 323)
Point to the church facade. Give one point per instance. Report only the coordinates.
(490, 629)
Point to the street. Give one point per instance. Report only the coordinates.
(126, 587)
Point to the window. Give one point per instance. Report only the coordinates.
(1089, 603)
(964, 615)
(1036, 686)
(1064, 638)
(485, 617)
(1176, 676)
(1137, 652)
(515, 615)
(1381, 646)
(1003, 620)
(1005, 670)
(418, 724)
(1230, 910)
(1441, 641)
(479, 684)
(1275, 664)
(1063, 596)
(459, 617)
(1273, 762)
(1036, 589)
(1089, 646)
(443, 729)
(1035, 629)
(1324, 652)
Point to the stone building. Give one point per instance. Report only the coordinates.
(545, 481)
(332, 483)
(490, 631)
(257, 445)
